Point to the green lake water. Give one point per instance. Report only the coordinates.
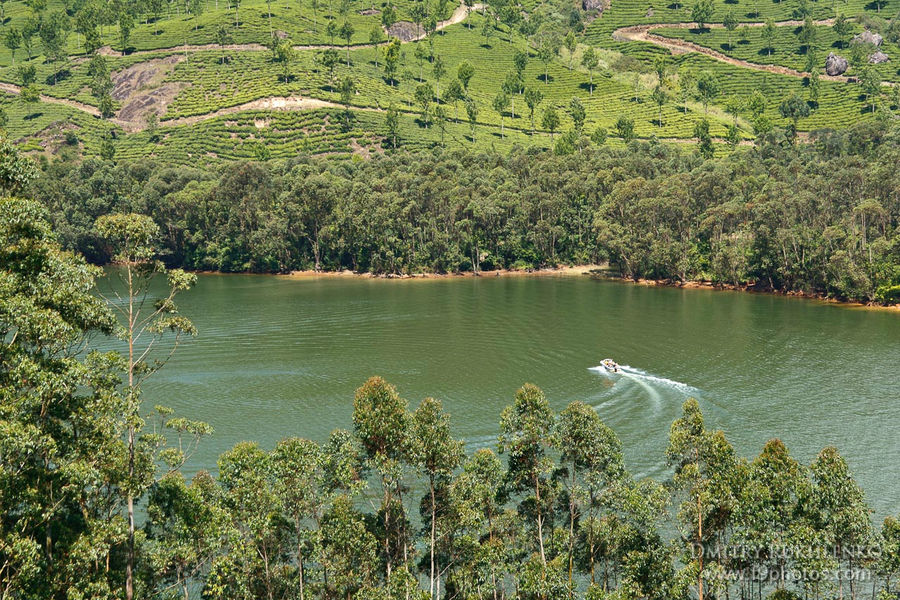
(282, 357)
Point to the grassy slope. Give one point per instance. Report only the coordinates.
(251, 75)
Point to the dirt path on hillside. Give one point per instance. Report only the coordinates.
(288, 103)
(459, 15)
(644, 33)
(12, 88)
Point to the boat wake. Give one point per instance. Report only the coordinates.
(643, 377)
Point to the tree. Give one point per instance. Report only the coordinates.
(440, 115)
(842, 29)
(590, 462)
(578, 115)
(285, 56)
(348, 88)
(464, 72)
(330, 59)
(659, 97)
(331, 30)
(589, 61)
(347, 32)
(392, 60)
(545, 53)
(235, 4)
(454, 93)
(439, 70)
(59, 469)
(625, 128)
(392, 122)
(520, 61)
(687, 86)
(223, 38)
(145, 323)
(813, 86)
(500, 104)
(487, 30)
(54, 34)
(512, 86)
(702, 13)
(870, 82)
(376, 38)
(794, 107)
(550, 120)
(526, 433)
(807, 35)
(533, 98)
(704, 140)
(707, 88)
(436, 454)
(425, 96)
(730, 23)
(13, 41)
(472, 113)
(382, 424)
(570, 45)
(705, 468)
(768, 35)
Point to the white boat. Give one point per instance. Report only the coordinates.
(610, 365)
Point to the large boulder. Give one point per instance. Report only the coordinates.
(867, 37)
(405, 31)
(597, 5)
(835, 65)
(878, 58)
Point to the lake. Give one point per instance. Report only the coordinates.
(282, 357)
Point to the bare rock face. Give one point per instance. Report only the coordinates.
(597, 5)
(867, 37)
(835, 65)
(878, 58)
(405, 31)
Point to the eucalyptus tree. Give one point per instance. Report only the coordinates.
(768, 506)
(148, 324)
(439, 70)
(382, 424)
(705, 469)
(590, 61)
(533, 98)
(454, 93)
(578, 114)
(838, 508)
(590, 462)
(472, 113)
(60, 431)
(550, 120)
(349, 549)
(477, 496)
(526, 433)
(346, 32)
(464, 72)
(512, 86)
(500, 104)
(436, 455)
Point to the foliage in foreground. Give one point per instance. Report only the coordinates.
(394, 509)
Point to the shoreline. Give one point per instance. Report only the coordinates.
(594, 271)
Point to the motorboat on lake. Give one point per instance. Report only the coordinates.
(610, 365)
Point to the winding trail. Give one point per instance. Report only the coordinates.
(644, 33)
(459, 15)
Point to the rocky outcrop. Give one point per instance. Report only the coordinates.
(878, 58)
(405, 31)
(835, 65)
(867, 37)
(597, 5)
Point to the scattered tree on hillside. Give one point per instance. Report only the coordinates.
(702, 13)
(769, 33)
(533, 98)
(625, 128)
(346, 32)
(707, 88)
(500, 104)
(590, 61)
(550, 120)
(464, 72)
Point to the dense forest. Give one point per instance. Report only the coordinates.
(818, 218)
(95, 505)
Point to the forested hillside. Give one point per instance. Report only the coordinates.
(820, 218)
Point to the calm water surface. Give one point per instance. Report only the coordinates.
(280, 357)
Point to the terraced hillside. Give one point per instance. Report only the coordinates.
(211, 80)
